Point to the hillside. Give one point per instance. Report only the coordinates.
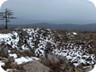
(81, 27)
(53, 50)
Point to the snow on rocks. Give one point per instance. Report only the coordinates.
(1, 69)
(13, 55)
(10, 38)
(2, 63)
(24, 60)
(37, 40)
(94, 69)
(76, 55)
(74, 33)
(25, 47)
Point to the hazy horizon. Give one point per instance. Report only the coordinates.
(62, 11)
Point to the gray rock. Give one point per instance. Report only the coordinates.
(3, 50)
(36, 66)
(11, 59)
(50, 59)
(12, 70)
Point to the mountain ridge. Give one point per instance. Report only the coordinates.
(82, 27)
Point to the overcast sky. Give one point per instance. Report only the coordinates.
(57, 10)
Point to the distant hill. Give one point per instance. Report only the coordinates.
(82, 27)
(68, 26)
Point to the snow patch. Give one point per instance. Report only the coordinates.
(13, 55)
(24, 60)
(1, 69)
(74, 33)
(2, 63)
(94, 69)
(10, 38)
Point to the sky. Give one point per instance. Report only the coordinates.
(63, 11)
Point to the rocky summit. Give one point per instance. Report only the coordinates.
(37, 49)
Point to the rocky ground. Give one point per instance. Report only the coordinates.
(38, 49)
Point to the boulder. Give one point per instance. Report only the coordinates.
(12, 70)
(3, 50)
(50, 59)
(36, 66)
